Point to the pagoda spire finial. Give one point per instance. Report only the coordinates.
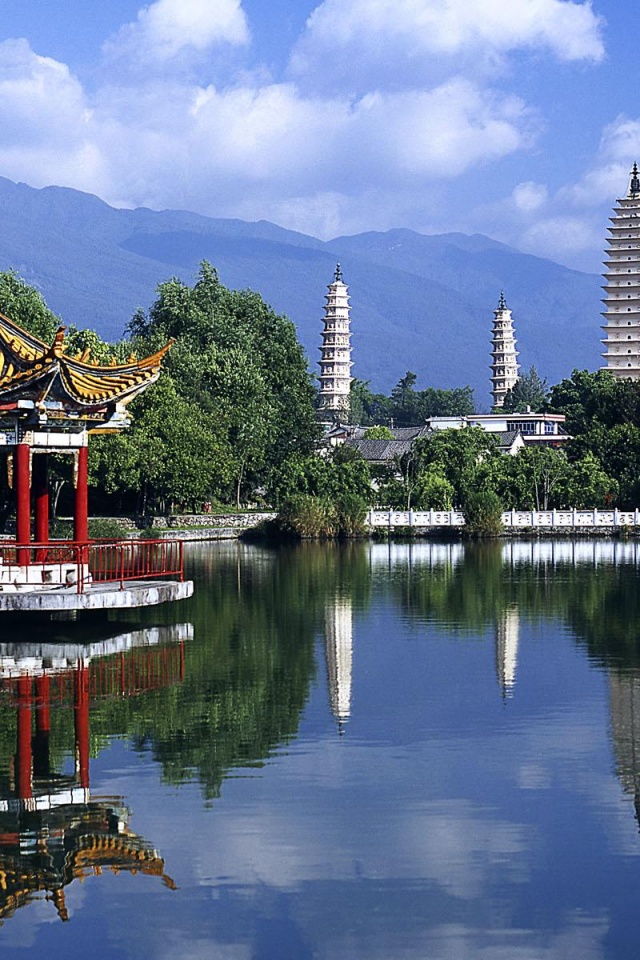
(634, 184)
(338, 274)
(502, 304)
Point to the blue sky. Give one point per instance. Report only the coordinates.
(514, 119)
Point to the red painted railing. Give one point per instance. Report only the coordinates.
(99, 561)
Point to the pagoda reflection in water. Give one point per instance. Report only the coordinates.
(338, 637)
(507, 634)
(52, 830)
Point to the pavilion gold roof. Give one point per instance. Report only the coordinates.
(30, 369)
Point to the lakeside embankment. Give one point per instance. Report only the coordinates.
(399, 523)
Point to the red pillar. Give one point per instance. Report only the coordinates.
(40, 485)
(81, 715)
(24, 738)
(22, 484)
(81, 508)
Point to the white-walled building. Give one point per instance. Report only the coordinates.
(335, 352)
(534, 429)
(504, 356)
(622, 285)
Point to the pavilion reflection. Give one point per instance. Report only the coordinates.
(52, 829)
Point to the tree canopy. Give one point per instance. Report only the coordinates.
(407, 406)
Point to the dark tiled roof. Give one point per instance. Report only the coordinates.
(380, 451)
(507, 437)
(409, 433)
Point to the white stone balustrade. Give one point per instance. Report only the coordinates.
(511, 519)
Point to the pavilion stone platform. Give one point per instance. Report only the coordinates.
(50, 404)
(98, 596)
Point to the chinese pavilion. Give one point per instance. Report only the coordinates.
(51, 402)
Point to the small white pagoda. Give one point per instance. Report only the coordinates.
(504, 362)
(622, 285)
(335, 352)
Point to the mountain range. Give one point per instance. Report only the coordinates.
(420, 303)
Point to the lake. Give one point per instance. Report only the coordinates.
(380, 751)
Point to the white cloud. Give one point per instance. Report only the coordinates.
(528, 197)
(271, 152)
(397, 35)
(168, 27)
(324, 160)
(46, 121)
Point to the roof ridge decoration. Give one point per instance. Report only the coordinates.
(33, 369)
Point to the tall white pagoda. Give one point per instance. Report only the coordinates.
(622, 285)
(504, 362)
(335, 352)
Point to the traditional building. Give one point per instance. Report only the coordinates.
(622, 285)
(50, 402)
(335, 352)
(504, 362)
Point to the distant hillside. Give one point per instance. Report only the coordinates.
(421, 303)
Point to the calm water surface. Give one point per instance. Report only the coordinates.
(371, 751)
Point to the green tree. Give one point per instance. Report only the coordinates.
(589, 485)
(173, 455)
(238, 360)
(378, 433)
(25, 305)
(528, 393)
(463, 456)
(546, 473)
(366, 407)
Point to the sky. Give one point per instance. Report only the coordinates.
(517, 119)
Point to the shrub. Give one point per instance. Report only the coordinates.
(483, 514)
(319, 518)
(308, 517)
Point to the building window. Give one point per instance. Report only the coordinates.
(526, 426)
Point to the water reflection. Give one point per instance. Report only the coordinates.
(507, 637)
(338, 639)
(478, 803)
(52, 829)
